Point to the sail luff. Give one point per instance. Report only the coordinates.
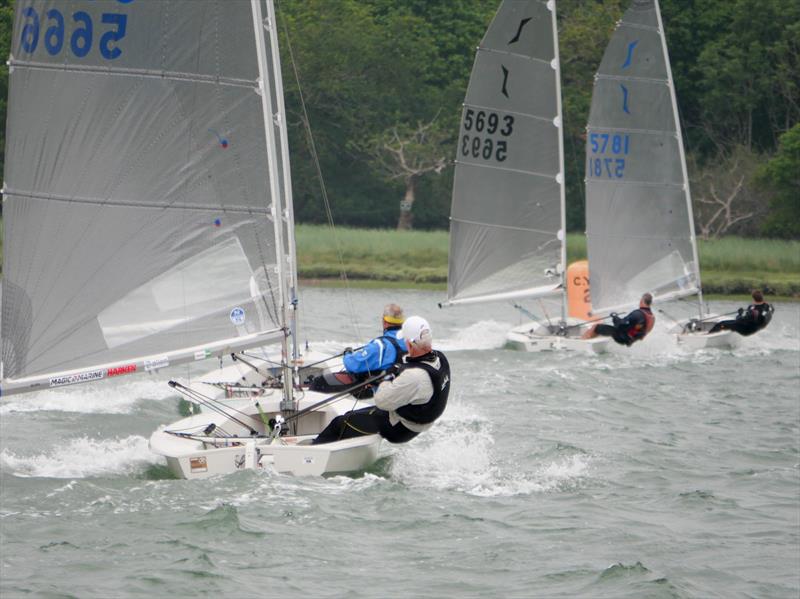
(266, 80)
(561, 170)
(679, 133)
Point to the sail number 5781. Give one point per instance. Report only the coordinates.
(482, 125)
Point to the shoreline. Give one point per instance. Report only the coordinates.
(355, 283)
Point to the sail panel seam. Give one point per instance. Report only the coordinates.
(640, 26)
(631, 78)
(497, 226)
(545, 119)
(512, 170)
(515, 54)
(670, 132)
(678, 186)
(142, 73)
(137, 204)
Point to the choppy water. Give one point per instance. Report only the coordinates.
(658, 473)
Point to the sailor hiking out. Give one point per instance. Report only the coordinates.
(626, 331)
(413, 395)
(749, 320)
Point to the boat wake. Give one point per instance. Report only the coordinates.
(83, 458)
(485, 334)
(461, 457)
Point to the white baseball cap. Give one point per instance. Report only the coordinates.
(415, 329)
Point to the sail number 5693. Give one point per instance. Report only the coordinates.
(486, 124)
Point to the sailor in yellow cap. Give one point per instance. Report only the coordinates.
(371, 359)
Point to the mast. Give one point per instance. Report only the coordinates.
(288, 201)
(679, 134)
(560, 178)
(259, 26)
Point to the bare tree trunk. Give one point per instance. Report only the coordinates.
(404, 223)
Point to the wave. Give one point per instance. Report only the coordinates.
(459, 454)
(484, 334)
(83, 458)
(117, 397)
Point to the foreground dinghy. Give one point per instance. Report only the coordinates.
(248, 434)
(148, 220)
(507, 217)
(640, 226)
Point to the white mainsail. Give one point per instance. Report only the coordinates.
(507, 214)
(146, 166)
(639, 220)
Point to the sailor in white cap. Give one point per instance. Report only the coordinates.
(406, 403)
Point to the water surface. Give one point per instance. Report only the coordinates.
(657, 472)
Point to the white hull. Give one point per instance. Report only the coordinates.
(534, 337)
(231, 447)
(694, 335)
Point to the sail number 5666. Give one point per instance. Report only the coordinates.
(80, 37)
(487, 124)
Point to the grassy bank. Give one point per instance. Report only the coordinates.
(730, 266)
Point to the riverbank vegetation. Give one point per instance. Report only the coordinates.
(383, 84)
(732, 265)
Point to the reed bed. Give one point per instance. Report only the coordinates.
(729, 265)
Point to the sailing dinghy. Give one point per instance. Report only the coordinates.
(507, 218)
(148, 221)
(640, 227)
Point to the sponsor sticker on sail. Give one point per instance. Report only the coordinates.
(237, 316)
(120, 370)
(81, 377)
(202, 354)
(155, 364)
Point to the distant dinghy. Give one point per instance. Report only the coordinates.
(507, 218)
(640, 226)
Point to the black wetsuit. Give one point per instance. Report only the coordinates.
(749, 321)
(368, 421)
(633, 327)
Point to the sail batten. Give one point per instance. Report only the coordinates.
(151, 74)
(137, 204)
(638, 208)
(506, 217)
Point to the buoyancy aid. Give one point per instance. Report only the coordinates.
(760, 314)
(640, 330)
(428, 412)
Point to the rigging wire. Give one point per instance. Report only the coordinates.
(315, 157)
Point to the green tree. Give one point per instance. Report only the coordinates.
(781, 176)
(6, 25)
(584, 31)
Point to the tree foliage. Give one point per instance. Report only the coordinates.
(781, 176)
(6, 22)
(368, 67)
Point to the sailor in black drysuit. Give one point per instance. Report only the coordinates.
(750, 320)
(407, 403)
(626, 331)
